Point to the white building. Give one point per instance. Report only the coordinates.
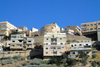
(75, 48)
(34, 30)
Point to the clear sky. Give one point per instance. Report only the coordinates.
(38, 13)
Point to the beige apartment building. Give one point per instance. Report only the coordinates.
(76, 29)
(20, 42)
(5, 28)
(54, 45)
(91, 30)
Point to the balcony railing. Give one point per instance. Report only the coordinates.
(80, 48)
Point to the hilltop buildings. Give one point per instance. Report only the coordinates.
(53, 39)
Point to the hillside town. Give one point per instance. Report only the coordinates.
(51, 46)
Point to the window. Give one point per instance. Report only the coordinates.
(9, 44)
(19, 45)
(29, 45)
(46, 52)
(80, 44)
(53, 47)
(47, 38)
(91, 28)
(61, 43)
(60, 52)
(98, 23)
(13, 41)
(12, 45)
(94, 24)
(29, 41)
(91, 24)
(20, 40)
(58, 48)
(46, 43)
(60, 38)
(46, 48)
(95, 28)
(87, 29)
(73, 52)
(71, 45)
(86, 44)
(87, 25)
(75, 44)
(62, 47)
(87, 52)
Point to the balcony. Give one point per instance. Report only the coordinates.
(76, 48)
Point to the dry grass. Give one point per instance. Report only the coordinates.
(98, 57)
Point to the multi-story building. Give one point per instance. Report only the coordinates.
(23, 28)
(20, 42)
(91, 29)
(76, 29)
(5, 28)
(54, 44)
(76, 48)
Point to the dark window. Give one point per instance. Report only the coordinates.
(9, 44)
(71, 45)
(86, 44)
(60, 38)
(91, 28)
(29, 41)
(61, 43)
(98, 23)
(46, 48)
(73, 52)
(13, 41)
(46, 43)
(20, 40)
(36, 35)
(75, 44)
(91, 24)
(94, 24)
(47, 38)
(80, 44)
(46, 52)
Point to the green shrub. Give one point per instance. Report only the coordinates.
(43, 65)
(11, 61)
(94, 56)
(54, 65)
(28, 61)
(33, 66)
(64, 60)
(24, 64)
(36, 61)
(23, 58)
(3, 62)
(93, 63)
(94, 51)
(15, 60)
(62, 65)
(19, 66)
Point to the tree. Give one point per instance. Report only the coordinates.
(93, 63)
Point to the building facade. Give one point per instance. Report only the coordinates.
(76, 48)
(91, 30)
(20, 42)
(54, 45)
(23, 28)
(5, 28)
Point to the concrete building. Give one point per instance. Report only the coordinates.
(23, 28)
(34, 30)
(54, 45)
(76, 48)
(20, 42)
(5, 28)
(76, 29)
(91, 30)
(50, 28)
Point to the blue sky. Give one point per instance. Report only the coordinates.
(38, 13)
